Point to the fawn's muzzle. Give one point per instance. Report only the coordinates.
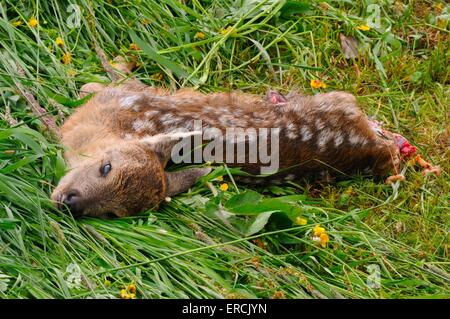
(70, 200)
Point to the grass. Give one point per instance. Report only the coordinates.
(191, 247)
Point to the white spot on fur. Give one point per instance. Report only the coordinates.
(188, 125)
(128, 136)
(324, 137)
(169, 120)
(356, 139)
(319, 124)
(350, 110)
(141, 125)
(338, 139)
(129, 101)
(151, 113)
(166, 117)
(291, 131)
(306, 133)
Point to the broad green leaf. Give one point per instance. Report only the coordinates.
(245, 202)
(292, 8)
(258, 223)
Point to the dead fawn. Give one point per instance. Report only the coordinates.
(119, 143)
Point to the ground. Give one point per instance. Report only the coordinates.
(384, 241)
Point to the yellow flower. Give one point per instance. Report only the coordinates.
(199, 35)
(59, 42)
(129, 292)
(227, 30)
(363, 27)
(220, 178)
(441, 23)
(33, 22)
(317, 84)
(113, 63)
(317, 230)
(158, 76)
(134, 46)
(17, 23)
(324, 239)
(438, 8)
(301, 221)
(72, 73)
(124, 294)
(278, 295)
(131, 288)
(223, 187)
(349, 190)
(66, 58)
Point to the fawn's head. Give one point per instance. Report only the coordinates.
(124, 179)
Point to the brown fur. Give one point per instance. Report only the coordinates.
(113, 126)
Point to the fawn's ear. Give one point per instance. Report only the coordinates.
(122, 65)
(181, 181)
(162, 144)
(275, 97)
(89, 88)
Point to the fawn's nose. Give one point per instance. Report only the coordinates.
(71, 200)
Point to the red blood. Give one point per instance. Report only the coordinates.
(406, 149)
(276, 97)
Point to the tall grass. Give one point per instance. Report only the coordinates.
(199, 245)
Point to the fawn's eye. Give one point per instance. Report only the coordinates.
(105, 169)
